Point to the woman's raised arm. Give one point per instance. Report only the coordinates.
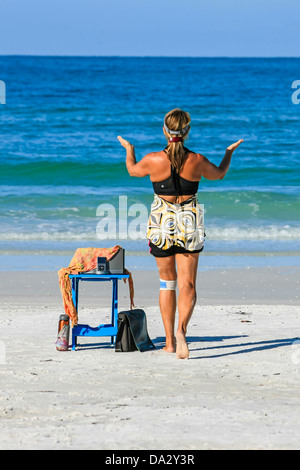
(211, 171)
(134, 168)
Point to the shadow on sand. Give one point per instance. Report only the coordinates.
(227, 348)
(209, 350)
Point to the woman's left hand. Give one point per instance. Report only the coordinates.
(124, 143)
(234, 146)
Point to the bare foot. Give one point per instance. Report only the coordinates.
(170, 346)
(182, 350)
(169, 349)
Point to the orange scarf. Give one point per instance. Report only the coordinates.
(85, 259)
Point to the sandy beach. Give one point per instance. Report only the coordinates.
(113, 135)
(238, 390)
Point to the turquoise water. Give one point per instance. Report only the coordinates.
(60, 158)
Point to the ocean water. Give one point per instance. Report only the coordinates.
(61, 163)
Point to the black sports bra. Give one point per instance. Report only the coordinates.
(175, 185)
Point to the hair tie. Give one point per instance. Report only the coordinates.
(175, 139)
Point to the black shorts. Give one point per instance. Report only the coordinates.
(159, 253)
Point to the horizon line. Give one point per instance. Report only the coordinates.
(149, 56)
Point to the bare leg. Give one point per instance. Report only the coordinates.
(187, 272)
(167, 300)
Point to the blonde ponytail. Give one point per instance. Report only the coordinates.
(177, 121)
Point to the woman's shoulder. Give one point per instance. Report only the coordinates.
(194, 157)
(156, 155)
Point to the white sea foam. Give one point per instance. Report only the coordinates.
(270, 232)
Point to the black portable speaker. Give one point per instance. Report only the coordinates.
(101, 265)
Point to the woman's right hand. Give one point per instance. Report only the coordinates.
(125, 143)
(234, 146)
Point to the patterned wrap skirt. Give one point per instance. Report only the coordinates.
(180, 224)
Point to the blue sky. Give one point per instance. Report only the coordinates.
(234, 28)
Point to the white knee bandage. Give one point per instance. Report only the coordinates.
(167, 285)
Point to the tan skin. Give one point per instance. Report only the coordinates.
(157, 166)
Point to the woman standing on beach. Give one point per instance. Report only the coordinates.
(175, 226)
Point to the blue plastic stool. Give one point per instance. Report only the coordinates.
(110, 329)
